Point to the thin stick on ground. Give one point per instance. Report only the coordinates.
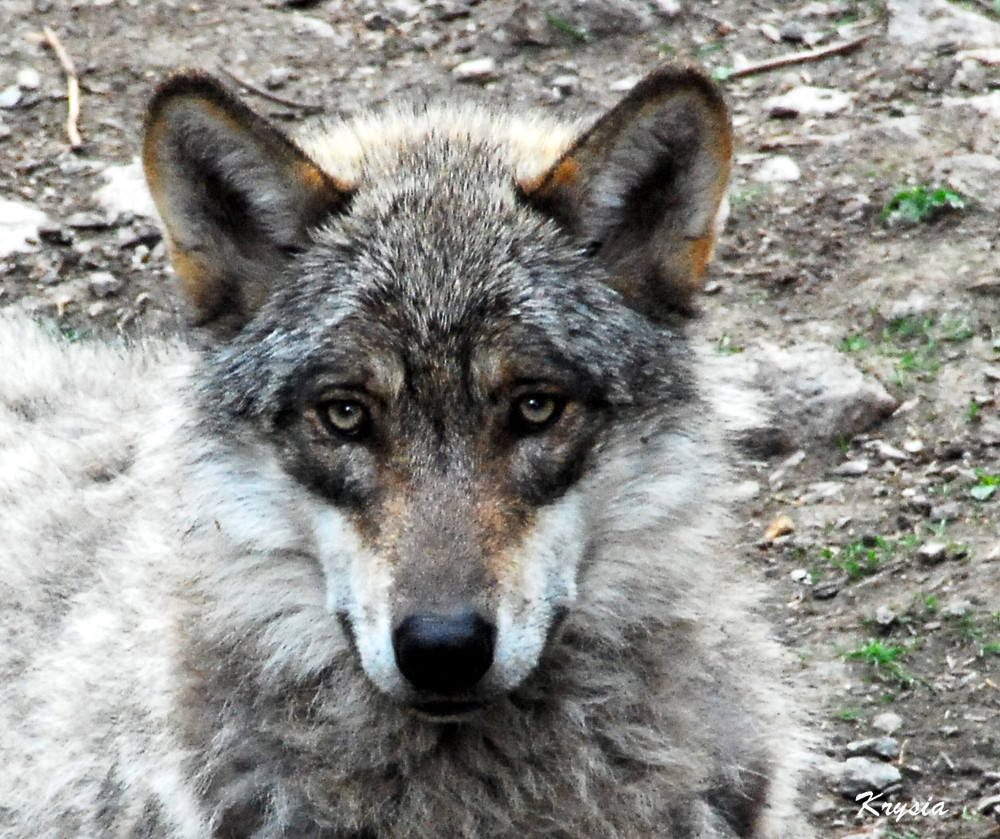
(270, 97)
(72, 88)
(797, 58)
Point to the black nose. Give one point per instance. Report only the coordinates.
(444, 654)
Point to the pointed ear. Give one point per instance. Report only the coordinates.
(644, 186)
(236, 196)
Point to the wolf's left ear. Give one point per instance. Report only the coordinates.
(644, 186)
(236, 196)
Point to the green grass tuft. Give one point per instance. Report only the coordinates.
(918, 205)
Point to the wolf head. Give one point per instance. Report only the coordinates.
(439, 326)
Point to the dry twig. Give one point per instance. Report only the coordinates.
(270, 97)
(797, 58)
(72, 88)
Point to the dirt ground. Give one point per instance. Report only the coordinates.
(886, 590)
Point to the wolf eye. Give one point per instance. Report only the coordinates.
(537, 411)
(346, 417)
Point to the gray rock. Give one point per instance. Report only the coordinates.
(808, 101)
(89, 221)
(566, 83)
(10, 96)
(778, 168)
(625, 84)
(771, 32)
(885, 451)
(403, 9)
(986, 105)
(823, 807)
(886, 748)
(448, 11)
(972, 175)
(948, 511)
(793, 31)
(603, 17)
(828, 589)
(477, 70)
(667, 8)
(19, 223)
(852, 468)
(378, 22)
(957, 609)
(527, 26)
(936, 24)
(278, 77)
(859, 774)
(931, 553)
(314, 26)
(812, 393)
(888, 722)
(29, 78)
(125, 191)
(885, 616)
(103, 284)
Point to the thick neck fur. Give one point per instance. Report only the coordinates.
(291, 739)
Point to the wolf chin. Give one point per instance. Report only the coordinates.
(423, 538)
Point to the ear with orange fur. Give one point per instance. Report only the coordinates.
(235, 195)
(644, 187)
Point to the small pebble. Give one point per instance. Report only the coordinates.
(808, 101)
(566, 84)
(827, 589)
(103, 284)
(823, 807)
(10, 96)
(852, 468)
(668, 8)
(793, 31)
(886, 748)
(624, 85)
(772, 33)
(931, 553)
(957, 609)
(29, 79)
(889, 722)
(884, 616)
(779, 168)
(478, 70)
(378, 22)
(277, 77)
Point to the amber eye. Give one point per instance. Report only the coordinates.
(346, 417)
(537, 411)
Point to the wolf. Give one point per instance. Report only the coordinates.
(421, 532)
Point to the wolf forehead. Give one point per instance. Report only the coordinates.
(437, 238)
(439, 260)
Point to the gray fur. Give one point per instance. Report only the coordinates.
(196, 584)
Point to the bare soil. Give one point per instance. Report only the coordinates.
(879, 615)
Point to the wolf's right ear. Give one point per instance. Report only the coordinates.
(644, 185)
(236, 196)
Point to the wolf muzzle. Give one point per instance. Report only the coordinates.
(444, 654)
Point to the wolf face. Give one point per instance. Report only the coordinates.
(437, 329)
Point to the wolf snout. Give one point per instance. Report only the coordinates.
(444, 654)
